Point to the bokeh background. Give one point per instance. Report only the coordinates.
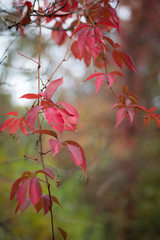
(121, 198)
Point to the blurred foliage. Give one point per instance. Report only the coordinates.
(121, 198)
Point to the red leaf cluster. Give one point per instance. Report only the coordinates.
(29, 182)
(14, 124)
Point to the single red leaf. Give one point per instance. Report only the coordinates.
(70, 109)
(22, 192)
(47, 203)
(47, 132)
(51, 88)
(35, 191)
(80, 27)
(31, 96)
(13, 126)
(157, 121)
(28, 174)
(77, 154)
(15, 186)
(59, 36)
(109, 40)
(93, 44)
(120, 115)
(55, 119)
(94, 75)
(111, 79)
(22, 125)
(99, 81)
(54, 198)
(147, 121)
(25, 205)
(48, 172)
(115, 105)
(107, 23)
(130, 112)
(55, 146)
(121, 57)
(6, 124)
(152, 109)
(63, 233)
(32, 115)
(14, 113)
(82, 40)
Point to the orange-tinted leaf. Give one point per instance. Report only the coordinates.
(48, 172)
(147, 121)
(121, 57)
(47, 132)
(63, 233)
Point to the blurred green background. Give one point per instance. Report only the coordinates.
(121, 198)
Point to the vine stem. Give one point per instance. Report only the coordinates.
(39, 126)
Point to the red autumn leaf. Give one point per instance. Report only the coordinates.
(93, 44)
(47, 172)
(14, 113)
(55, 146)
(121, 57)
(107, 23)
(99, 79)
(35, 191)
(77, 154)
(15, 186)
(13, 127)
(70, 121)
(120, 115)
(32, 115)
(52, 87)
(63, 233)
(6, 124)
(22, 192)
(68, 6)
(14, 123)
(31, 96)
(86, 56)
(46, 131)
(82, 40)
(94, 75)
(24, 206)
(55, 119)
(111, 77)
(47, 203)
(59, 36)
(109, 40)
(81, 26)
(157, 120)
(147, 121)
(130, 112)
(70, 109)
